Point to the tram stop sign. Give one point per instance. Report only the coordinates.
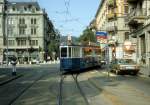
(101, 37)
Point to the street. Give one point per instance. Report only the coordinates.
(41, 86)
(105, 42)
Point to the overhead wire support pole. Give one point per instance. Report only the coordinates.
(107, 59)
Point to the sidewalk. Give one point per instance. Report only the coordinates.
(145, 71)
(29, 65)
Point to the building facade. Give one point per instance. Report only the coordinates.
(25, 30)
(110, 17)
(138, 20)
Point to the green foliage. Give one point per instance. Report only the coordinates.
(53, 46)
(40, 49)
(87, 36)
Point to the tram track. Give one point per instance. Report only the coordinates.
(80, 89)
(61, 83)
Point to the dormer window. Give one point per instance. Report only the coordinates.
(14, 8)
(37, 9)
(29, 6)
(25, 8)
(33, 10)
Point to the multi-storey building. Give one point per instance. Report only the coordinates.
(25, 30)
(138, 20)
(110, 17)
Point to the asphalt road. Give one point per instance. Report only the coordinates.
(40, 86)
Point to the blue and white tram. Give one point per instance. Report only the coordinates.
(75, 57)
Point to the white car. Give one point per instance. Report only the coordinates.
(125, 66)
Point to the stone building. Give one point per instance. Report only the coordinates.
(110, 18)
(138, 20)
(25, 30)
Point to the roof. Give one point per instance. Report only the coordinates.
(25, 4)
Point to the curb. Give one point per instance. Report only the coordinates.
(143, 75)
(11, 79)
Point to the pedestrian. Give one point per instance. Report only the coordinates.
(14, 62)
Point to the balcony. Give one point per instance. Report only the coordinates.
(22, 47)
(136, 18)
(132, 0)
(111, 28)
(111, 16)
(22, 25)
(111, 3)
(22, 36)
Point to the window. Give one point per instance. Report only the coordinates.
(36, 42)
(33, 31)
(37, 9)
(33, 20)
(10, 31)
(11, 42)
(126, 9)
(13, 8)
(25, 8)
(33, 42)
(75, 52)
(10, 21)
(21, 42)
(22, 31)
(126, 35)
(69, 51)
(21, 21)
(63, 52)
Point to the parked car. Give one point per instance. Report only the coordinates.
(34, 61)
(125, 66)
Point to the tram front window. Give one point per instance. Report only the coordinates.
(63, 52)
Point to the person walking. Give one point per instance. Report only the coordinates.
(14, 62)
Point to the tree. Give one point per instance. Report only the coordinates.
(53, 46)
(87, 36)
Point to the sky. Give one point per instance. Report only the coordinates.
(70, 17)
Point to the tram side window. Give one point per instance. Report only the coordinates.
(69, 51)
(75, 52)
(63, 52)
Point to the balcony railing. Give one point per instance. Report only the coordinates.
(22, 25)
(111, 16)
(22, 36)
(132, 0)
(22, 47)
(111, 28)
(136, 17)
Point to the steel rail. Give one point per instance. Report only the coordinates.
(80, 89)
